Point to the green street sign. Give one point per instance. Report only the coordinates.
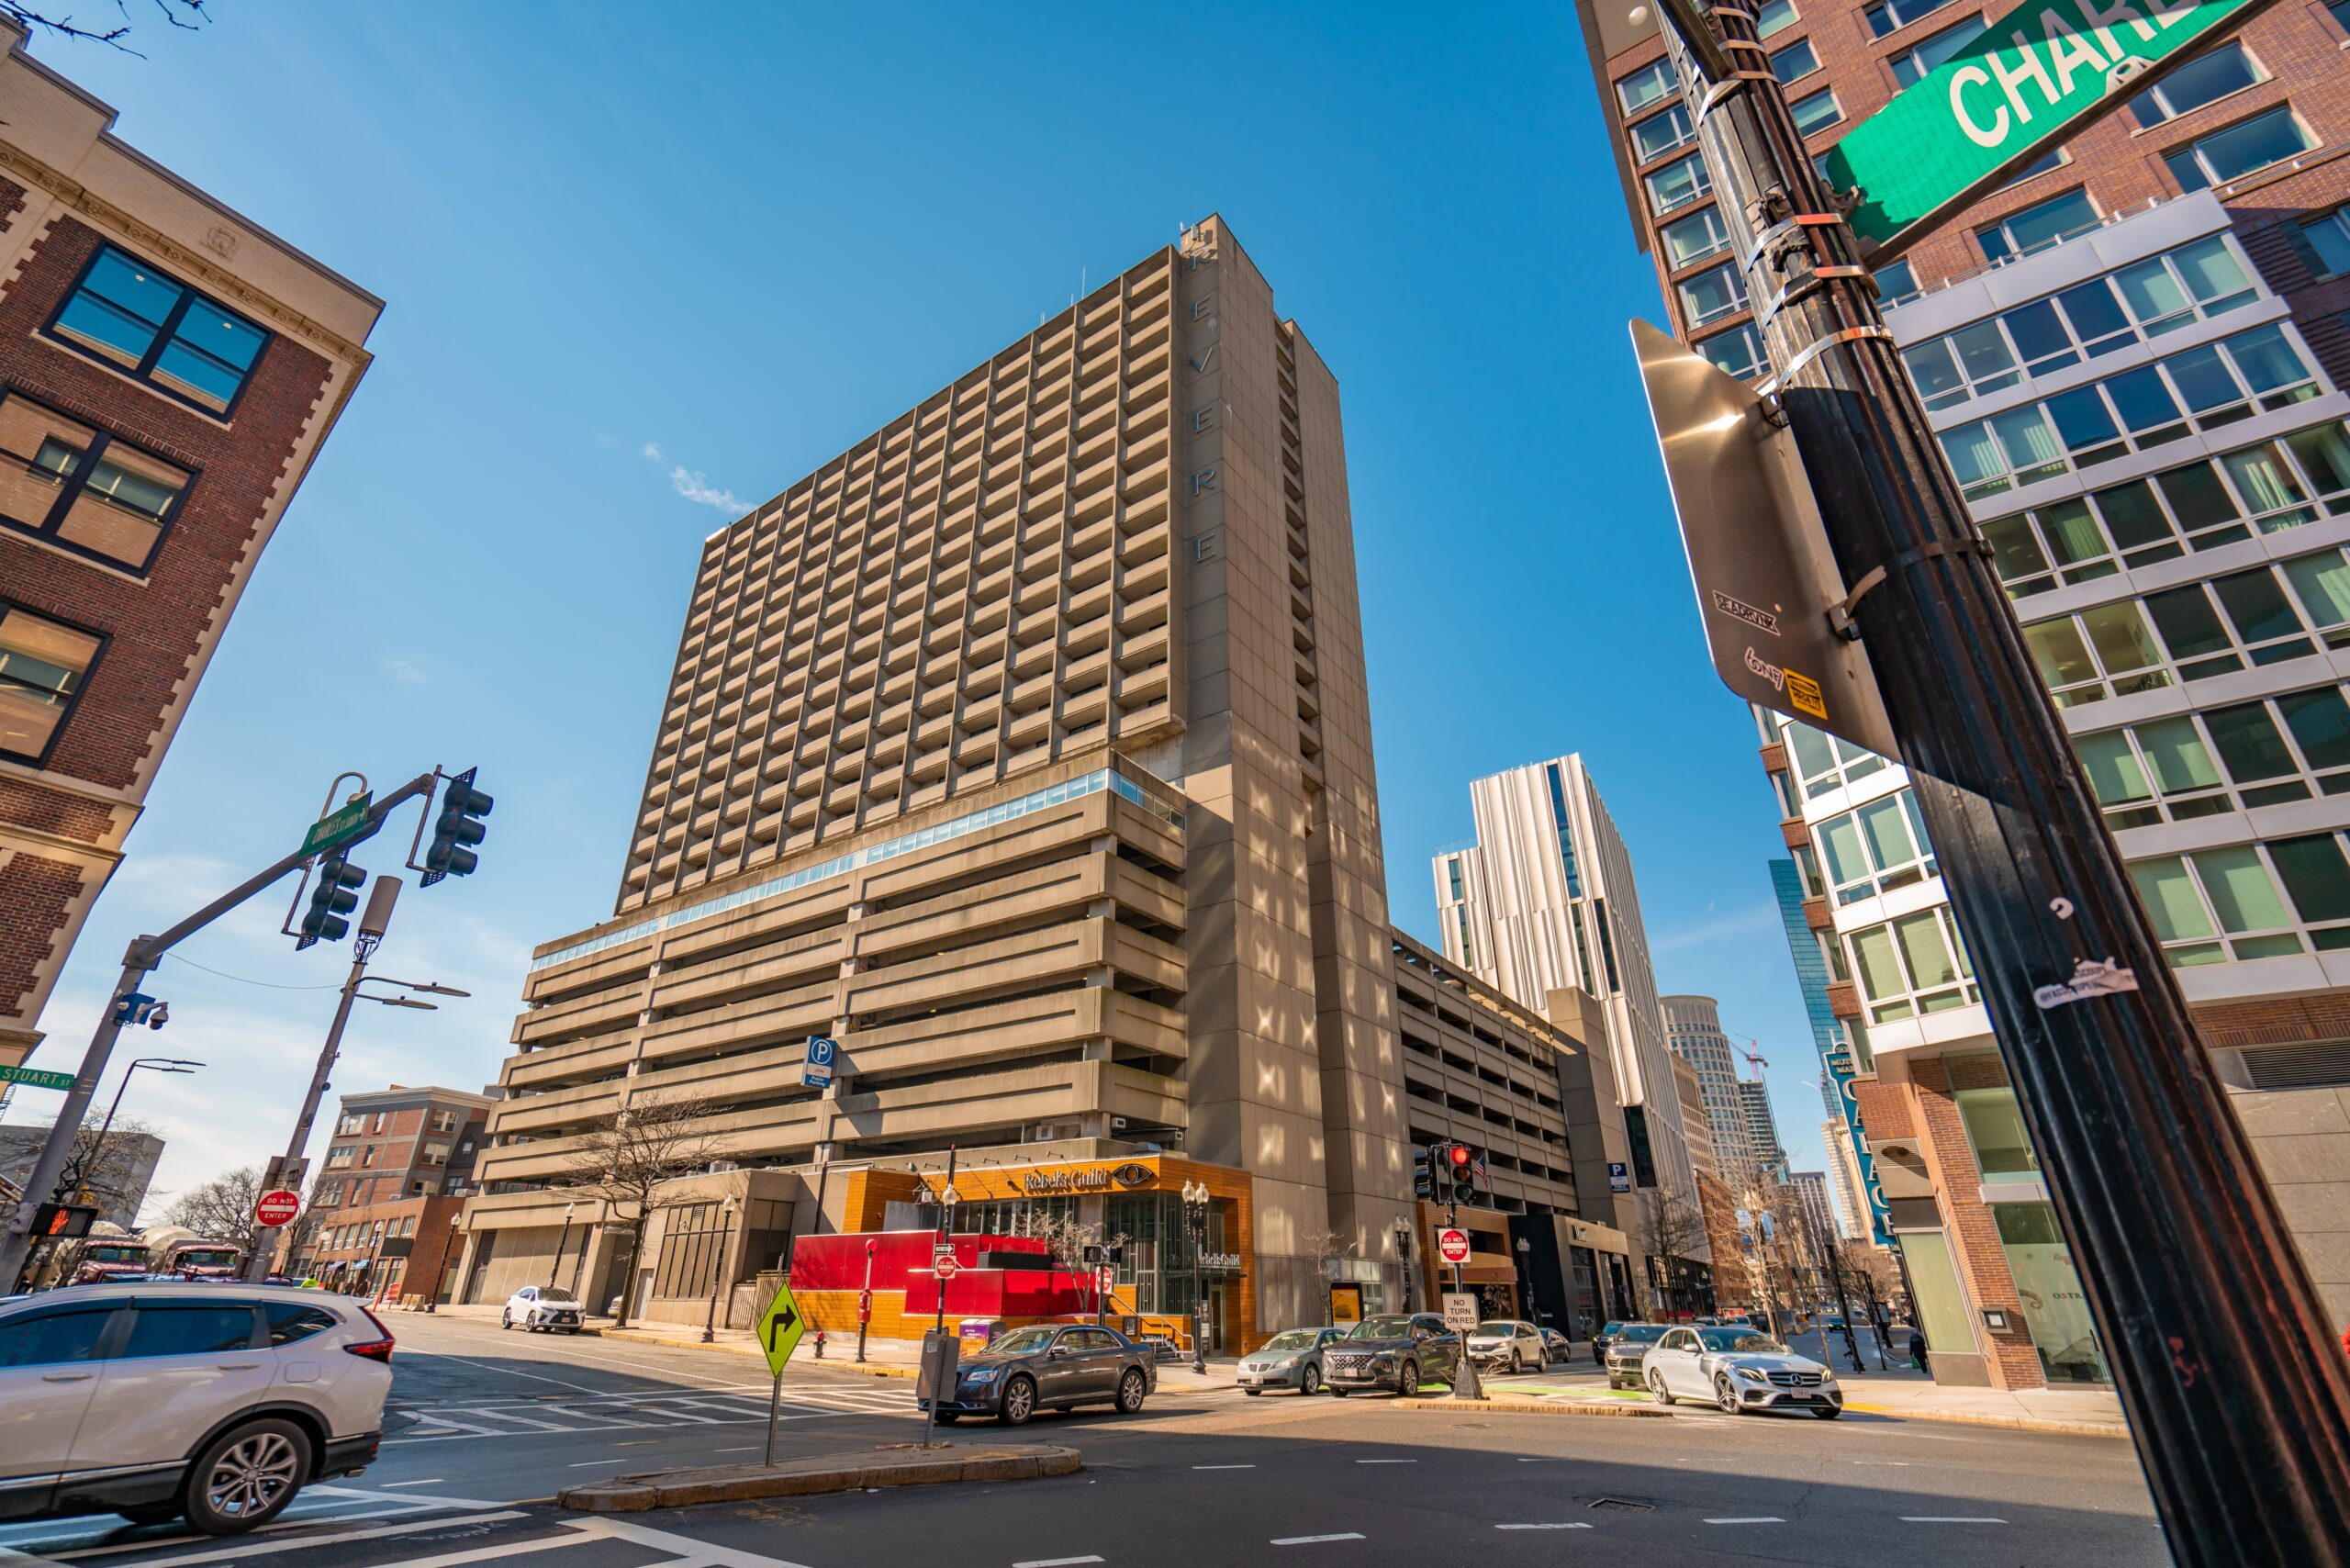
(35, 1077)
(779, 1329)
(2006, 99)
(345, 822)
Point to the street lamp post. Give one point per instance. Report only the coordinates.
(1404, 1256)
(865, 1300)
(561, 1245)
(1525, 1275)
(441, 1270)
(718, 1266)
(1196, 1226)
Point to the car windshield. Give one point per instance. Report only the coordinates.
(205, 1256)
(1295, 1340)
(555, 1292)
(1499, 1328)
(1640, 1333)
(1739, 1340)
(1382, 1328)
(1021, 1342)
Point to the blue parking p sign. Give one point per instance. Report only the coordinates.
(817, 1071)
(1620, 1177)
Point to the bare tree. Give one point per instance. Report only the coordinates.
(108, 1174)
(222, 1209)
(624, 1159)
(1669, 1228)
(187, 15)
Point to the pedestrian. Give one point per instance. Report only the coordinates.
(1918, 1348)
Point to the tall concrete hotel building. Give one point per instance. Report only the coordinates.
(2134, 358)
(1023, 750)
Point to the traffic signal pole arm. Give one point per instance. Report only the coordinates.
(2237, 1396)
(143, 953)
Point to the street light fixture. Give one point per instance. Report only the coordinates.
(80, 1181)
(562, 1246)
(1404, 1257)
(1196, 1226)
(717, 1265)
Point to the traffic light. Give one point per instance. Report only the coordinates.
(1423, 1176)
(1458, 1159)
(462, 809)
(335, 896)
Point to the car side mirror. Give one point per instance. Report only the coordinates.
(1055, 1354)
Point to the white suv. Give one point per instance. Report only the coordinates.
(218, 1402)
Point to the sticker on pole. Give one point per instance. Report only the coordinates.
(277, 1208)
(1452, 1246)
(779, 1329)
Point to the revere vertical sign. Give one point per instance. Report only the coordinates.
(2003, 102)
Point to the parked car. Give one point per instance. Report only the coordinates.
(1506, 1342)
(1608, 1331)
(1628, 1343)
(1396, 1352)
(220, 1403)
(1289, 1359)
(1738, 1370)
(1556, 1346)
(1050, 1366)
(542, 1307)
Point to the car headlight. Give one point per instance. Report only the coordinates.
(1382, 1363)
(983, 1374)
(1749, 1374)
(1827, 1375)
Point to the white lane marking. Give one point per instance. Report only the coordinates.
(428, 1481)
(1895, 1464)
(747, 1448)
(1543, 1527)
(1946, 1519)
(300, 1542)
(1751, 1519)
(691, 1553)
(1224, 1467)
(1387, 1462)
(1054, 1561)
(592, 1463)
(1540, 1459)
(1312, 1540)
(482, 1554)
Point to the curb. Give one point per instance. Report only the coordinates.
(2011, 1423)
(908, 1466)
(1537, 1408)
(870, 1368)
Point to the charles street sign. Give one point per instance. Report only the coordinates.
(2006, 100)
(337, 827)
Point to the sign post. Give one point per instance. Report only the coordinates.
(778, 1331)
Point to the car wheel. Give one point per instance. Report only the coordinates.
(1131, 1390)
(1724, 1395)
(506, 1320)
(1407, 1382)
(1656, 1386)
(1253, 1393)
(1828, 1412)
(948, 1417)
(1309, 1381)
(1516, 1363)
(246, 1476)
(1338, 1394)
(1019, 1402)
(151, 1512)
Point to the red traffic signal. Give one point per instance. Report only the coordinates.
(1459, 1154)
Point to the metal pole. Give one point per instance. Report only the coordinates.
(2223, 1358)
(775, 1408)
(717, 1266)
(16, 1248)
(562, 1246)
(1464, 1375)
(865, 1303)
(257, 1265)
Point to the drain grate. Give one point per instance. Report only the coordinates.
(1637, 1504)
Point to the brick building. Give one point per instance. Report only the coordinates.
(399, 1143)
(392, 1251)
(168, 370)
(2133, 356)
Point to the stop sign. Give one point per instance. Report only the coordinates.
(1452, 1246)
(277, 1208)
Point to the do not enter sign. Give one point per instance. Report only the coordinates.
(278, 1208)
(1452, 1246)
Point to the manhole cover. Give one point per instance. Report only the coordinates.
(1637, 1504)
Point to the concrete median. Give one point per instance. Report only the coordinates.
(854, 1472)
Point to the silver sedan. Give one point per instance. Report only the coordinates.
(1740, 1370)
(1288, 1359)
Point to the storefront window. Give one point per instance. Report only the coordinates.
(1995, 1127)
(2055, 1309)
(1941, 1308)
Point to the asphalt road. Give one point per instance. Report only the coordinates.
(485, 1425)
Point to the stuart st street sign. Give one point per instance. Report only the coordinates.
(2036, 76)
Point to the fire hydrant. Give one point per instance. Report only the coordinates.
(820, 1344)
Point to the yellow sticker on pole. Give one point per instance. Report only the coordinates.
(1804, 694)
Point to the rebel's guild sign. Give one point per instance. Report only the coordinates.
(1085, 1179)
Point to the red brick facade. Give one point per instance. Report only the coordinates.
(386, 1154)
(64, 813)
(393, 1252)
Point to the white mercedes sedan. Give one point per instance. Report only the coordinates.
(1738, 1370)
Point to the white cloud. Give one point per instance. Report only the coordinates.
(692, 483)
(407, 669)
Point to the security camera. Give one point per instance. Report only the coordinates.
(155, 1020)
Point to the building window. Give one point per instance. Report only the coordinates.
(159, 331)
(445, 1121)
(1878, 848)
(1452, 871)
(1711, 294)
(436, 1154)
(2137, 302)
(1738, 351)
(44, 665)
(351, 1123)
(1677, 185)
(2325, 243)
(1913, 966)
(1659, 134)
(1818, 111)
(2276, 750)
(2216, 905)
(1794, 63)
(1694, 238)
(2038, 226)
(2242, 148)
(1897, 284)
(1896, 14)
(2340, 11)
(81, 488)
(2203, 388)
(2104, 650)
(1918, 60)
(1776, 16)
(1653, 84)
(2225, 70)
(1460, 920)
(341, 1154)
(1824, 762)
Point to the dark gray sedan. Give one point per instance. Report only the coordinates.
(1050, 1366)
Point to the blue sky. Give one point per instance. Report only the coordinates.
(743, 237)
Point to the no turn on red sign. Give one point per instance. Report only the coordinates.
(278, 1208)
(1452, 1246)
